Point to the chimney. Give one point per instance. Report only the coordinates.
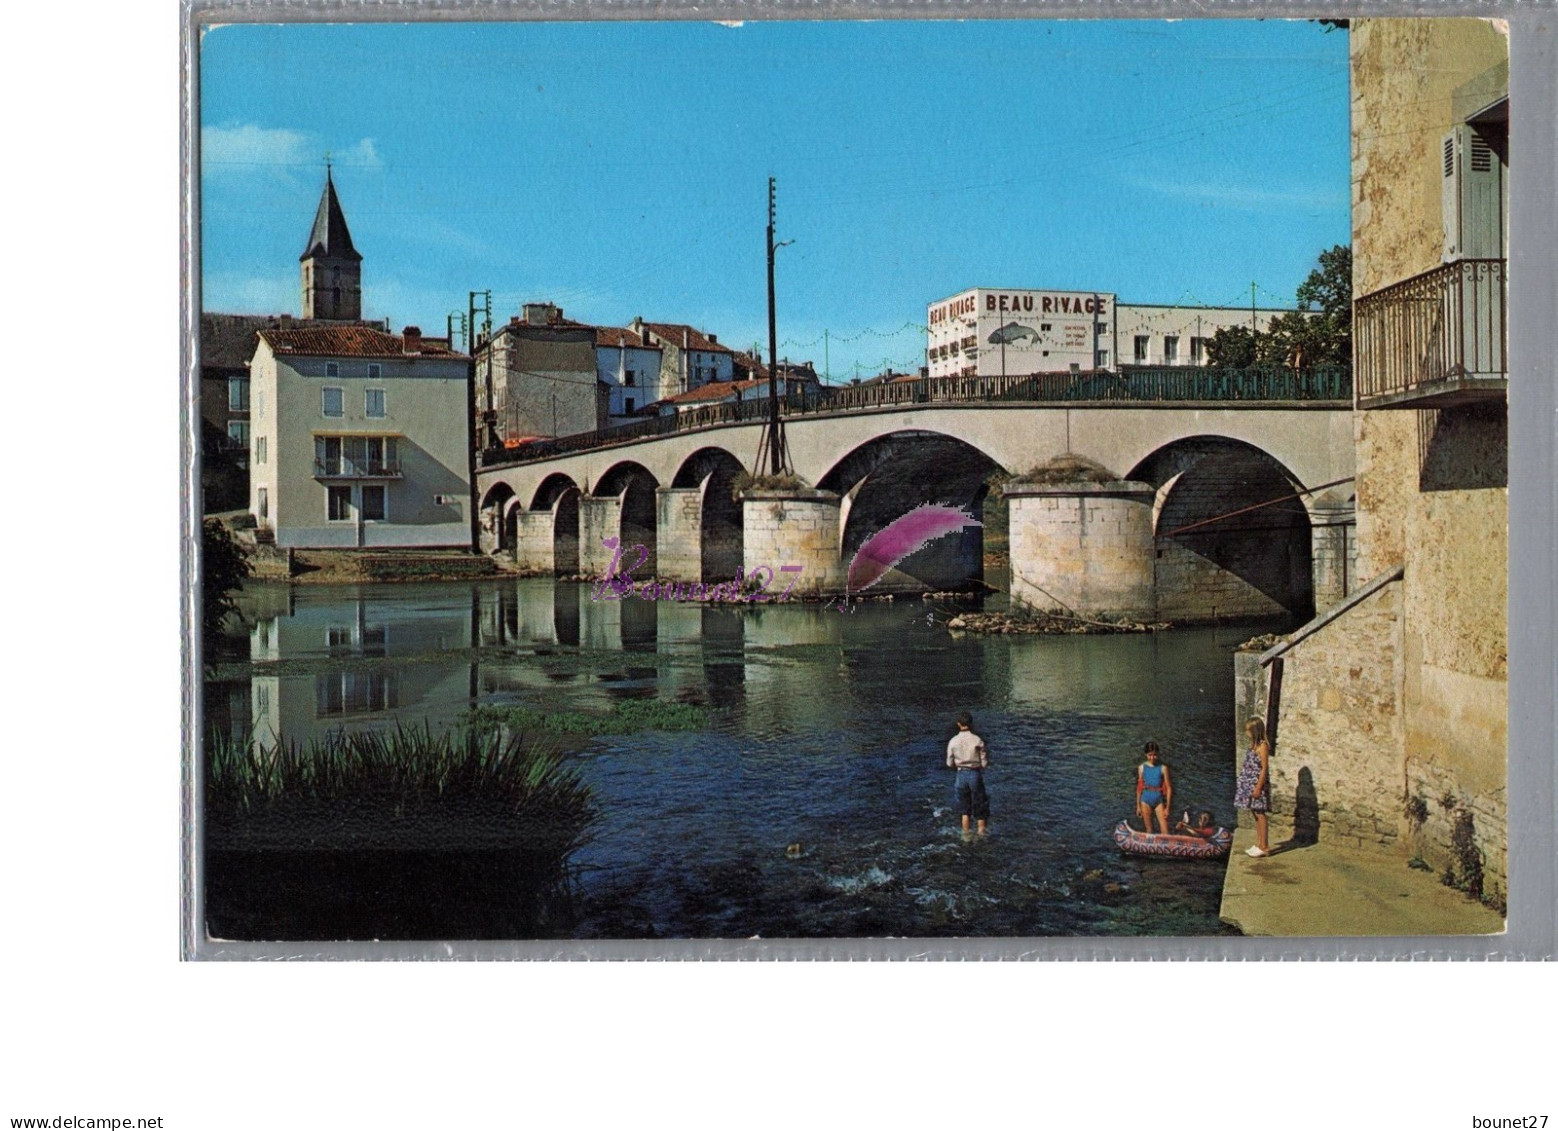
(714, 338)
(413, 339)
(286, 321)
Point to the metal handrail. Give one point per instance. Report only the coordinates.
(1130, 385)
(1446, 324)
(345, 468)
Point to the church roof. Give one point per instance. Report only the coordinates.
(330, 237)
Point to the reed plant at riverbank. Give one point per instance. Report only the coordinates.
(512, 777)
(630, 716)
(403, 833)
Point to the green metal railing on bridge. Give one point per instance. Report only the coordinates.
(1167, 385)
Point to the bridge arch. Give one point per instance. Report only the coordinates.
(633, 486)
(559, 494)
(550, 489)
(721, 542)
(886, 477)
(1231, 529)
(497, 527)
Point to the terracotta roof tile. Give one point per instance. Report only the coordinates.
(673, 332)
(227, 341)
(612, 336)
(716, 390)
(348, 341)
(751, 363)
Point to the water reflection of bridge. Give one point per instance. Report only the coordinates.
(1181, 449)
(338, 658)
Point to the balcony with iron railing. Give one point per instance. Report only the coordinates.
(1435, 340)
(345, 468)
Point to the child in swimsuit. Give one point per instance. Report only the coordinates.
(1154, 791)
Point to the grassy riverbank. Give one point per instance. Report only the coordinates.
(404, 833)
(629, 716)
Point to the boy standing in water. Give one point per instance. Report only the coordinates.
(966, 754)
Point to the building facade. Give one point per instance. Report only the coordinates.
(359, 439)
(537, 375)
(991, 332)
(332, 292)
(1392, 723)
(689, 357)
(628, 363)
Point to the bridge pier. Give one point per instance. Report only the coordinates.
(534, 539)
(1332, 529)
(1083, 548)
(792, 527)
(679, 533)
(599, 519)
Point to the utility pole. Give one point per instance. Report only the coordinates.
(773, 435)
(471, 325)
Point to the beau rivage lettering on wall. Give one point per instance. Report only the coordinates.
(991, 331)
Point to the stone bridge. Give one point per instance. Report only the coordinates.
(1213, 510)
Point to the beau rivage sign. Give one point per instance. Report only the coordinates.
(980, 304)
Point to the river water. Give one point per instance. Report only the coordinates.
(829, 734)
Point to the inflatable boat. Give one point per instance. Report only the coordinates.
(1172, 844)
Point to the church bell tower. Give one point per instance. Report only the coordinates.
(332, 268)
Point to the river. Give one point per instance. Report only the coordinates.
(829, 734)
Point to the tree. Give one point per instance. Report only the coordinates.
(224, 565)
(1319, 334)
(1232, 347)
(1329, 288)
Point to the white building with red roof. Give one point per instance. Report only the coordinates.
(359, 438)
(628, 363)
(689, 357)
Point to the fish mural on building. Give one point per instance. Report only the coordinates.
(1013, 333)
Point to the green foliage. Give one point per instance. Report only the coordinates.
(224, 482)
(1069, 468)
(1329, 287)
(745, 481)
(413, 777)
(1468, 857)
(1319, 336)
(224, 565)
(1232, 347)
(629, 716)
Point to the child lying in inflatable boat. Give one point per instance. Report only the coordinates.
(1202, 828)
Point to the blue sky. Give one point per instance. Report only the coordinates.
(621, 169)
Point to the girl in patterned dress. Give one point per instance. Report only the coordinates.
(1253, 791)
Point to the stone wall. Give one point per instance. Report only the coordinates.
(600, 519)
(1431, 484)
(1223, 550)
(679, 528)
(1337, 756)
(790, 528)
(1083, 547)
(1194, 588)
(1334, 550)
(534, 542)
